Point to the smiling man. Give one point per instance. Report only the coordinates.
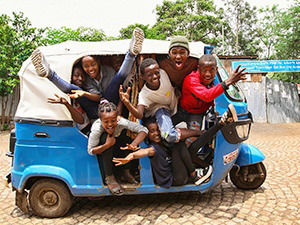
(178, 65)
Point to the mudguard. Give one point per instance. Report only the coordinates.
(19, 179)
(249, 155)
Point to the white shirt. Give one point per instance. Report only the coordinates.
(163, 97)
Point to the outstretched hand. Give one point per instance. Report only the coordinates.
(77, 94)
(236, 76)
(122, 161)
(57, 100)
(124, 96)
(130, 147)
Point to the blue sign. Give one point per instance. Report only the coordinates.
(266, 66)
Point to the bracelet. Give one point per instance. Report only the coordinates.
(224, 86)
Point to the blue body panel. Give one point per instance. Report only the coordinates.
(221, 168)
(63, 155)
(249, 155)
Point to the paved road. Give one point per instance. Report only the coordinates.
(276, 202)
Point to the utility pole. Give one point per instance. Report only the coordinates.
(237, 32)
(223, 42)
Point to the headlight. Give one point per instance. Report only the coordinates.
(237, 132)
(243, 130)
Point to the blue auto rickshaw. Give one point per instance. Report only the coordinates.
(51, 164)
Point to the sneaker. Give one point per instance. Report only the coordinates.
(128, 82)
(40, 64)
(229, 116)
(137, 39)
(203, 175)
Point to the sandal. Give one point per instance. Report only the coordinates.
(113, 186)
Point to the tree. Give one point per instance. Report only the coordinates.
(266, 30)
(150, 33)
(242, 19)
(55, 36)
(288, 31)
(17, 40)
(198, 20)
(284, 34)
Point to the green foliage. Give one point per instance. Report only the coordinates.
(266, 30)
(198, 20)
(286, 77)
(5, 126)
(150, 33)
(84, 34)
(242, 19)
(17, 40)
(281, 34)
(287, 28)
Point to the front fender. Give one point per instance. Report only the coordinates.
(19, 179)
(249, 155)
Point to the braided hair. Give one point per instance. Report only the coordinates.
(106, 107)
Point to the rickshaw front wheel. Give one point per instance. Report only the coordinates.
(248, 177)
(50, 198)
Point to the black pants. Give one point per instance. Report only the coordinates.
(200, 142)
(182, 164)
(114, 151)
(183, 158)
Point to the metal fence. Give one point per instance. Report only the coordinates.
(12, 103)
(272, 101)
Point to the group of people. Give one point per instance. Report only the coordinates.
(176, 88)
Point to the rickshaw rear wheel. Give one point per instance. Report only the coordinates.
(50, 198)
(254, 179)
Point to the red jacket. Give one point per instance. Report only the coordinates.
(197, 98)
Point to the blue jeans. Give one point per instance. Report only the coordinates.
(194, 122)
(167, 130)
(89, 106)
(112, 91)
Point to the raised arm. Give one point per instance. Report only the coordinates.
(76, 116)
(124, 97)
(236, 76)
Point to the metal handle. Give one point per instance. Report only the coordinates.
(41, 135)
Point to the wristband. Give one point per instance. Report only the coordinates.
(224, 86)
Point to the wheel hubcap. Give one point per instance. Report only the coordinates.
(50, 198)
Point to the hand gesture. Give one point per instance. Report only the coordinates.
(124, 96)
(236, 76)
(57, 100)
(110, 140)
(122, 161)
(130, 147)
(77, 94)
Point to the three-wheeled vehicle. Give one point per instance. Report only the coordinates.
(50, 158)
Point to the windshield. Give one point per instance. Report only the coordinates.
(233, 91)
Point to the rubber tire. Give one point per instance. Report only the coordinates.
(63, 203)
(239, 182)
